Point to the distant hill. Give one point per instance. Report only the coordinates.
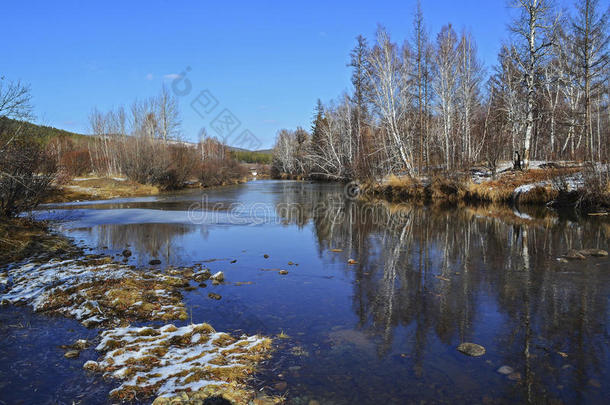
(44, 133)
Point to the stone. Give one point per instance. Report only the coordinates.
(352, 261)
(562, 260)
(574, 255)
(81, 344)
(233, 261)
(471, 349)
(218, 276)
(215, 296)
(154, 262)
(126, 253)
(283, 272)
(505, 370)
(516, 376)
(266, 256)
(202, 276)
(593, 252)
(280, 386)
(72, 354)
(91, 365)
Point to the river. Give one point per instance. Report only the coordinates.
(376, 300)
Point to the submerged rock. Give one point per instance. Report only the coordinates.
(154, 262)
(471, 349)
(71, 354)
(593, 252)
(505, 370)
(126, 253)
(214, 296)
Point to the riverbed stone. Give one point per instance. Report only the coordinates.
(505, 370)
(471, 349)
(72, 354)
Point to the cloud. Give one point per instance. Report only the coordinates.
(172, 76)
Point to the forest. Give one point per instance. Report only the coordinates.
(428, 104)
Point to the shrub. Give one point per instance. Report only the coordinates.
(26, 176)
(76, 162)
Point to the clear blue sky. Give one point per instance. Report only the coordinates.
(267, 62)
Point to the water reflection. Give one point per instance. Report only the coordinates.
(464, 274)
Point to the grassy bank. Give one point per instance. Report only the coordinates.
(22, 238)
(537, 187)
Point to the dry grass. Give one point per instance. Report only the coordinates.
(101, 189)
(448, 190)
(21, 238)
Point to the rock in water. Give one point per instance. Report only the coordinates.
(218, 277)
(505, 370)
(574, 255)
(126, 253)
(283, 272)
(214, 296)
(71, 354)
(471, 349)
(154, 262)
(593, 252)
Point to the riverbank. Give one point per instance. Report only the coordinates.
(105, 188)
(23, 238)
(568, 187)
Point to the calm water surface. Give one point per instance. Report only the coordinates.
(381, 331)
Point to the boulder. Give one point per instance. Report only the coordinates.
(471, 349)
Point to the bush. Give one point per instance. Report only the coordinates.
(217, 172)
(26, 176)
(76, 162)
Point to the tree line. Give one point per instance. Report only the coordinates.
(428, 105)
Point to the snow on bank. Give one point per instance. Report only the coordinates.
(94, 291)
(168, 360)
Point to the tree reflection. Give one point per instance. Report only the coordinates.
(434, 271)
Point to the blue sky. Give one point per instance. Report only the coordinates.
(267, 62)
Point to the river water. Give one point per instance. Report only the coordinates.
(376, 300)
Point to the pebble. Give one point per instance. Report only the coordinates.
(505, 370)
(280, 386)
(471, 349)
(71, 354)
(516, 376)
